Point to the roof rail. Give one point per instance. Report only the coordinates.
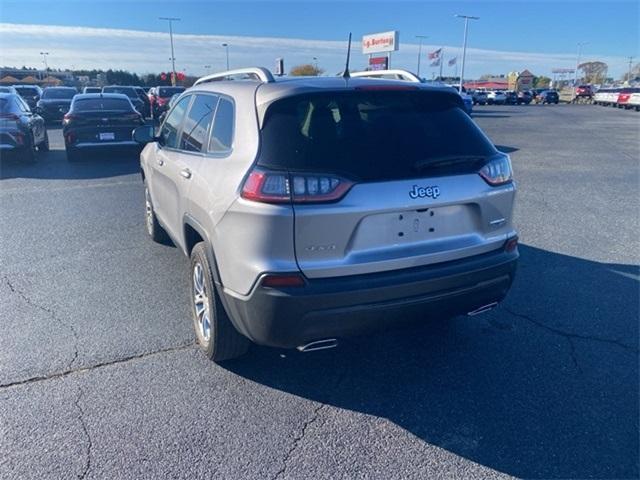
(401, 74)
(260, 74)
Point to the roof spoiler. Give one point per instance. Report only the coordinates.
(259, 74)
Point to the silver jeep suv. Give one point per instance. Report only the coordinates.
(318, 208)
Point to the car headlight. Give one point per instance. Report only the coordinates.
(497, 171)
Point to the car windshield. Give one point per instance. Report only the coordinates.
(97, 104)
(58, 93)
(29, 91)
(128, 91)
(6, 90)
(341, 133)
(169, 91)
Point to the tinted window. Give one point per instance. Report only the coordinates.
(222, 131)
(22, 105)
(371, 136)
(196, 123)
(6, 90)
(171, 126)
(128, 91)
(94, 104)
(28, 91)
(169, 91)
(58, 93)
(92, 90)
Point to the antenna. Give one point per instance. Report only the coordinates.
(346, 74)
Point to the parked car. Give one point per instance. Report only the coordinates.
(55, 102)
(584, 91)
(92, 90)
(130, 92)
(146, 109)
(607, 96)
(496, 97)
(548, 96)
(303, 227)
(634, 101)
(30, 94)
(172, 102)
(8, 89)
(159, 99)
(535, 92)
(479, 97)
(625, 95)
(511, 98)
(21, 130)
(525, 97)
(100, 121)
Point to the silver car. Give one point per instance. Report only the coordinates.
(318, 208)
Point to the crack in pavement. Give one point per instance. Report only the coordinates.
(127, 359)
(49, 312)
(571, 336)
(87, 464)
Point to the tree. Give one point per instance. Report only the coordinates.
(635, 73)
(541, 82)
(306, 70)
(593, 72)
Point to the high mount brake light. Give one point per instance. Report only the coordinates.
(497, 171)
(278, 187)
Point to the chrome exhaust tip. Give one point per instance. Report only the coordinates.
(482, 309)
(318, 345)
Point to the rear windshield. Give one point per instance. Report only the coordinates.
(92, 90)
(169, 91)
(369, 136)
(29, 91)
(128, 91)
(58, 93)
(96, 104)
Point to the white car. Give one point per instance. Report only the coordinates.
(634, 101)
(496, 97)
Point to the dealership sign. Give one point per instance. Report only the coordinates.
(380, 42)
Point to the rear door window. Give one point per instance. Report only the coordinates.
(171, 126)
(221, 139)
(197, 122)
(371, 135)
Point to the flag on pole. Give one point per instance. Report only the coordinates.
(435, 57)
(453, 61)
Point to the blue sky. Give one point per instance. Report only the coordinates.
(510, 35)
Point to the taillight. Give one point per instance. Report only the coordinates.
(19, 137)
(161, 101)
(9, 116)
(511, 244)
(278, 187)
(67, 118)
(497, 171)
(136, 117)
(282, 280)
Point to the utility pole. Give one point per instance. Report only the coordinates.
(421, 37)
(575, 77)
(315, 64)
(629, 73)
(173, 56)
(44, 60)
(464, 46)
(226, 47)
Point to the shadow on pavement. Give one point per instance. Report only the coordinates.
(545, 386)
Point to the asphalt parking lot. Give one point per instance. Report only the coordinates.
(100, 377)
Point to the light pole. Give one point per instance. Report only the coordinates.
(226, 47)
(315, 63)
(421, 37)
(629, 74)
(464, 46)
(44, 60)
(173, 56)
(575, 75)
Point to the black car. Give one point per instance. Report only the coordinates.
(511, 98)
(525, 97)
(30, 94)
(130, 92)
(55, 102)
(100, 121)
(142, 95)
(548, 96)
(21, 131)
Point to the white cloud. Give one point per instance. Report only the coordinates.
(142, 51)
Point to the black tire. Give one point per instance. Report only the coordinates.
(31, 155)
(152, 226)
(44, 145)
(223, 342)
(72, 154)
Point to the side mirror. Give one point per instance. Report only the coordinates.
(144, 134)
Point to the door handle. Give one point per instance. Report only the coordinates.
(186, 173)
(160, 162)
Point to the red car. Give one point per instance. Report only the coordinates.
(624, 95)
(159, 99)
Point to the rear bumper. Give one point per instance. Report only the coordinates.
(107, 144)
(347, 306)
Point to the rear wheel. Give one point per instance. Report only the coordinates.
(44, 145)
(30, 150)
(216, 335)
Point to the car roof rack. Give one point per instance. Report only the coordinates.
(406, 74)
(259, 74)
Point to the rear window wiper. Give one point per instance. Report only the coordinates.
(444, 160)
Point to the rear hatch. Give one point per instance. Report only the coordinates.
(411, 160)
(103, 120)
